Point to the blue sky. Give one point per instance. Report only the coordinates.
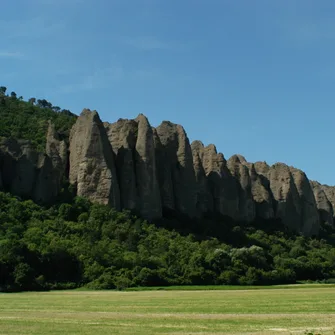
(254, 77)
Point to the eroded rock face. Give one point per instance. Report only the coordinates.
(204, 198)
(133, 144)
(27, 173)
(262, 168)
(19, 161)
(129, 164)
(164, 174)
(286, 195)
(330, 193)
(324, 206)
(240, 172)
(56, 149)
(146, 171)
(295, 202)
(221, 183)
(179, 170)
(123, 136)
(47, 182)
(261, 194)
(92, 166)
(58, 152)
(309, 216)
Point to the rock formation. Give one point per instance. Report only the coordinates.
(246, 205)
(27, 173)
(123, 135)
(129, 164)
(222, 186)
(146, 171)
(261, 193)
(92, 165)
(309, 216)
(204, 197)
(134, 147)
(324, 206)
(179, 170)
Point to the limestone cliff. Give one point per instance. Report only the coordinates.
(178, 170)
(92, 165)
(324, 206)
(27, 173)
(129, 164)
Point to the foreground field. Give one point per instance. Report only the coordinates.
(263, 311)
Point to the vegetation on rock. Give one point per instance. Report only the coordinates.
(28, 120)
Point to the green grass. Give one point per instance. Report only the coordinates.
(261, 311)
(225, 287)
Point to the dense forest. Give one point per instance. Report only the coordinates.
(28, 120)
(75, 243)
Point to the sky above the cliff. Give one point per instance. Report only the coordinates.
(253, 77)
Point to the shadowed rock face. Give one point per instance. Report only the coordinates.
(122, 136)
(204, 198)
(27, 173)
(309, 216)
(58, 152)
(240, 172)
(19, 161)
(286, 196)
(221, 184)
(324, 206)
(133, 144)
(146, 171)
(330, 193)
(261, 194)
(178, 170)
(92, 166)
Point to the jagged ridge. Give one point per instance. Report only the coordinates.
(129, 164)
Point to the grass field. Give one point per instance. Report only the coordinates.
(261, 311)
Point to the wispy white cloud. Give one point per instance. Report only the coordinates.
(8, 54)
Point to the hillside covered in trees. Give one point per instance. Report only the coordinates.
(73, 241)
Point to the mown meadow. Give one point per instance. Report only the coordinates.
(285, 310)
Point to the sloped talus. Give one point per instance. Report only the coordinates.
(92, 166)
